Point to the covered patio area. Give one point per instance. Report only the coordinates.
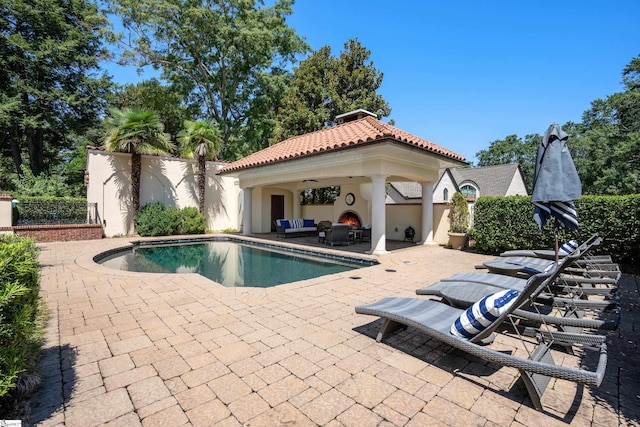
(360, 155)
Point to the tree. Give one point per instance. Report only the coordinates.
(458, 214)
(222, 54)
(606, 145)
(166, 101)
(513, 149)
(135, 131)
(49, 82)
(324, 86)
(200, 139)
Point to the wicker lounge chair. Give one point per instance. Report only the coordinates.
(338, 234)
(435, 319)
(463, 293)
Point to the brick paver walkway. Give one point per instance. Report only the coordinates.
(132, 349)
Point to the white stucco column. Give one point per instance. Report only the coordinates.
(246, 211)
(378, 215)
(296, 204)
(427, 214)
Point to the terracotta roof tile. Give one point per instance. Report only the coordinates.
(347, 134)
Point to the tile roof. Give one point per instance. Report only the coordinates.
(353, 133)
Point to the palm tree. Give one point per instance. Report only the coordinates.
(201, 139)
(135, 131)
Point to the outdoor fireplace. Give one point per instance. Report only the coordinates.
(351, 218)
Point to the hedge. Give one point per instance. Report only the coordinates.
(158, 220)
(50, 210)
(20, 311)
(504, 223)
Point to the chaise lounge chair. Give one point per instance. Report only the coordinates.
(461, 293)
(447, 324)
(574, 274)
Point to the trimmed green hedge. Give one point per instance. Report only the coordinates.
(50, 210)
(20, 310)
(503, 223)
(158, 220)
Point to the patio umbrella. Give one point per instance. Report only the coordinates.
(556, 183)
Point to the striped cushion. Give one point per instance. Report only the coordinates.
(481, 314)
(568, 247)
(296, 223)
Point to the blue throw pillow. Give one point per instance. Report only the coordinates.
(484, 312)
(285, 223)
(308, 223)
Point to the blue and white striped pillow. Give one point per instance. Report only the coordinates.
(568, 247)
(296, 223)
(484, 312)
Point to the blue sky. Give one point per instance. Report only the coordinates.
(465, 73)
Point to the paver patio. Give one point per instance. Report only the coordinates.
(138, 349)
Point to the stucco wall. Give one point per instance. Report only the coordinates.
(517, 187)
(6, 213)
(170, 181)
(438, 191)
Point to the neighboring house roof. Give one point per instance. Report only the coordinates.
(408, 190)
(360, 132)
(490, 180)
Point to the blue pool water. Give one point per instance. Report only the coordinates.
(230, 263)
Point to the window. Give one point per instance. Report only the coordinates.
(445, 194)
(468, 192)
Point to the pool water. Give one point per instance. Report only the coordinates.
(230, 263)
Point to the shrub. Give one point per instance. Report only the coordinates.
(158, 220)
(20, 311)
(51, 210)
(458, 214)
(193, 222)
(503, 223)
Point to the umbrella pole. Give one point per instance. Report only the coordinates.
(555, 229)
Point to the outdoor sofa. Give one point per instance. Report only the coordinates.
(295, 227)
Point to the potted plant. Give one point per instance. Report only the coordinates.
(458, 221)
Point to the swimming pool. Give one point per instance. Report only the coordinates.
(232, 263)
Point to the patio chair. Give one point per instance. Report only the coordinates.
(461, 293)
(366, 233)
(581, 272)
(563, 251)
(467, 329)
(338, 234)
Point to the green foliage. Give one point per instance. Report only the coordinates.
(134, 130)
(199, 139)
(227, 55)
(504, 223)
(50, 51)
(158, 220)
(20, 331)
(166, 101)
(193, 222)
(458, 214)
(52, 210)
(44, 185)
(324, 86)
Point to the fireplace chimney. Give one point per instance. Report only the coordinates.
(354, 115)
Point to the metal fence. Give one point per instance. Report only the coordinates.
(56, 212)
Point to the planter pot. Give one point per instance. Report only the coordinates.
(457, 240)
